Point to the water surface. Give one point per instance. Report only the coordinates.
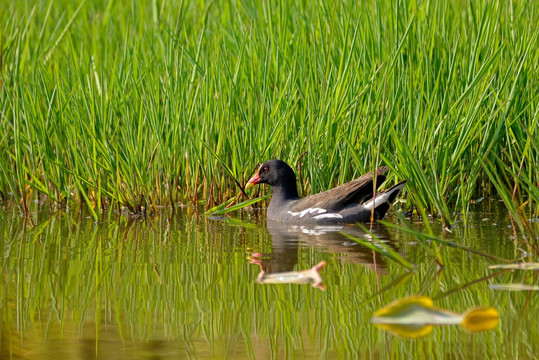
(182, 285)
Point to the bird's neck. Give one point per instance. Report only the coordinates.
(286, 192)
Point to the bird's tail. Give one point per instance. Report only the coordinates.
(383, 200)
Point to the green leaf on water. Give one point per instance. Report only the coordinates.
(214, 210)
(412, 317)
(222, 209)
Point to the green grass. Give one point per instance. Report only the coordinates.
(143, 103)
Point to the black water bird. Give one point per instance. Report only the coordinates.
(347, 203)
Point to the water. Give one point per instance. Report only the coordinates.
(183, 286)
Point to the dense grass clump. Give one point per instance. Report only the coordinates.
(141, 103)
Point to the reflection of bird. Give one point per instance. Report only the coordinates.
(286, 240)
(284, 255)
(348, 203)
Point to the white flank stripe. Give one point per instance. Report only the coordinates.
(307, 211)
(328, 216)
(381, 199)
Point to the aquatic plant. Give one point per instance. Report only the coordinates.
(414, 317)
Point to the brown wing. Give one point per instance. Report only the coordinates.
(337, 198)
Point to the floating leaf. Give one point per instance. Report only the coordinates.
(216, 209)
(415, 310)
(403, 305)
(413, 317)
(222, 209)
(407, 331)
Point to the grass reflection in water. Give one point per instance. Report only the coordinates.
(181, 286)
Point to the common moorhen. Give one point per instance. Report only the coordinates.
(348, 203)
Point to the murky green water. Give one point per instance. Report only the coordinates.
(185, 286)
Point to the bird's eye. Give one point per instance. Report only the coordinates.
(265, 169)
